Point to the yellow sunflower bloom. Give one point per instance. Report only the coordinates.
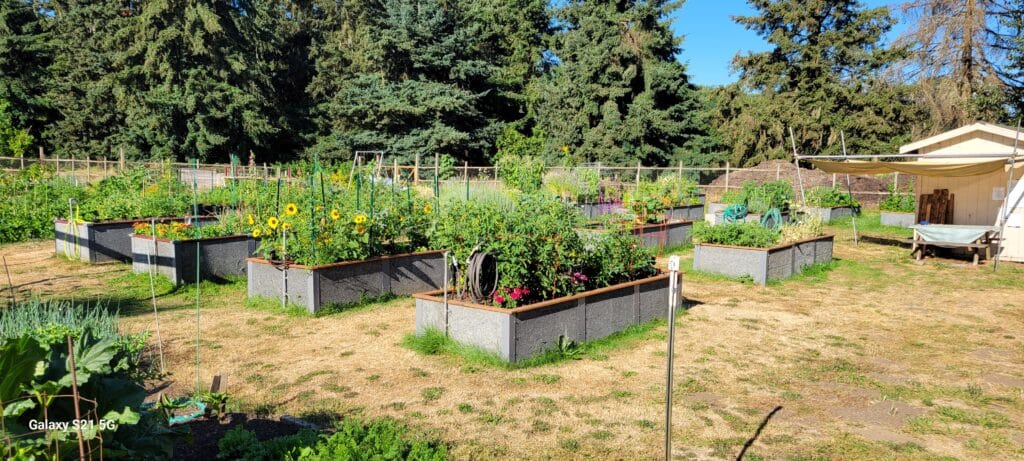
(256, 233)
(360, 229)
(565, 149)
(290, 209)
(252, 220)
(286, 226)
(359, 219)
(335, 215)
(427, 209)
(272, 222)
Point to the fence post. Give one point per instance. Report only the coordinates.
(120, 158)
(395, 178)
(778, 171)
(833, 180)
(416, 170)
(266, 172)
(727, 176)
(680, 168)
(896, 180)
(41, 155)
(638, 173)
(437, 166)
(598, 172)
(57, 156)
(88, 168)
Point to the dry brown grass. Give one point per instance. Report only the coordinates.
(880, 358)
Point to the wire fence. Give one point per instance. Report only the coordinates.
(713, 181)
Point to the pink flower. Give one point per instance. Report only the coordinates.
(579, 277)
(515, 294)
(499, 299)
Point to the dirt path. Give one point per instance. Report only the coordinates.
(878, 358)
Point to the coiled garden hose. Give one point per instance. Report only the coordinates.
(482, 275)
(734, 213)
(772, 219)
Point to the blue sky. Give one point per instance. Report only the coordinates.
(711, 38)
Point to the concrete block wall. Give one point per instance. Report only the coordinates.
(762, 264)
(219, 257)
(516, 334)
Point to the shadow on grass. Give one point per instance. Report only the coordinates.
(757, 433)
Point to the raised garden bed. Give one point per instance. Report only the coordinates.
(687, 212)
(516, 334)
(101, 242)
(762, 264)
(669, 234)
(346, 283)
(828, 214)
(897, 219)
(219, 257)
(593, 210)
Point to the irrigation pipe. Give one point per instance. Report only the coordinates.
(152, 290)
(849, 190)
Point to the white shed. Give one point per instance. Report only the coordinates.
(974, 163)
(978, 198)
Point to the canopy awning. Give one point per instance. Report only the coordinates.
(921, 168)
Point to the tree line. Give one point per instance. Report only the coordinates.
(571, 81)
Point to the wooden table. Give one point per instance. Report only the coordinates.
(972, 237)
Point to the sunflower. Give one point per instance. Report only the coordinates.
(272, 222)
(565, 149)
(290, 209)
(360, 229)
(286, 226)
(359, 219)
(427, 209)
(252, 220)
(335, 215)
(256, 233)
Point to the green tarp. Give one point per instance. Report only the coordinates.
(951, 233)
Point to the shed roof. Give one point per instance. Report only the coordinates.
(996, 129)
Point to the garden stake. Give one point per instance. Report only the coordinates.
(849, 189)
(195, 215)
(152, 290)
(74, 395)
(14, 300)
(673, 267)
(444, 289)
(796, 163)
(312, 217)
(284, 272)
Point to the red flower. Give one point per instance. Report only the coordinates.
(499, 299)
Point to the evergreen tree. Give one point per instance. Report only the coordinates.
(617, 93)
(83, 88)
(24, 57)
(1011, 41)
(196, 83)
(408, 80)
(822, 76)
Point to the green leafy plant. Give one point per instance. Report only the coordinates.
(351, 440)
(761, 197)
(807, 228)
(580, 185)
(899, 201)
(738, 234)
(830, 197)
(521, 172)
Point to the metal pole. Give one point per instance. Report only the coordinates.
(673, 290)
(849, 190)
(444, 289)
(796, 163)
(152, 289)
(1005, 209)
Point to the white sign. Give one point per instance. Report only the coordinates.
(673, 263)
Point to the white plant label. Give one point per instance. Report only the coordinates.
(673, 263)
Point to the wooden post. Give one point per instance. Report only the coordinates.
(395, 178)
(416, 170)
(778, 171)
(437, 166)
(22, 162)
(896, 181)
(41, 155)
(266, 172)
(727, 176)
(680, 168)
(638, 173)
(58, 163)
(120, 158)
(88, 169)
(465, 170)
(833, 180)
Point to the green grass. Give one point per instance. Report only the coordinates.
(870, 223)
(435, 342)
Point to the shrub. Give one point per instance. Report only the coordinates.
(649, 198)
(899, 201)
(737, 234)
(830, 197)
(539, 253)
(578, 184)
(521, 172)
(803, 230)
(759, 198)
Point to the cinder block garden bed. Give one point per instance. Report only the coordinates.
(317, 287)
(516, 334)
(663, 235)
(102, 242)
(829, 214)
(219, 257)
(593, 210)
(762, 264)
